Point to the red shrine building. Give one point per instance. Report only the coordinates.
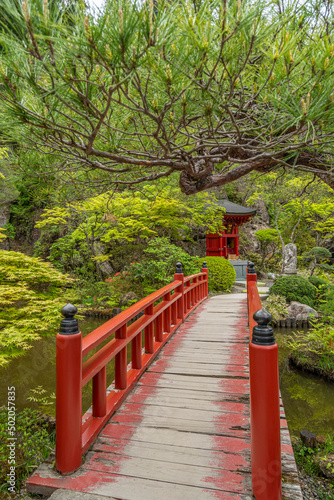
(226, 242)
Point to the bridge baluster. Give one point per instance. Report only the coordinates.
(167, 315)
(159, 337)
(149, 335)
(121, 362)
(136, 352)
(100, 393)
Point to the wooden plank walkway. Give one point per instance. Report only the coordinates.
(184, 432)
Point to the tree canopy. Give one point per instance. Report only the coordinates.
(213, 90)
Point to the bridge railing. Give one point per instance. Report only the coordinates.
(264, 398)
(160, 315)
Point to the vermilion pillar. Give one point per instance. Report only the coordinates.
(68, 393)
(265, 411)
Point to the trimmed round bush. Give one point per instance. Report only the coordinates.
(221, 273)
(295, 288)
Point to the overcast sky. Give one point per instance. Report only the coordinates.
(98, 3)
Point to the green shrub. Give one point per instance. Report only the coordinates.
(157, 267)
(324, 289)
(276, 305)
(295, 288)
(32, 445)
(317, 282)
(31, 297)
(221, 273)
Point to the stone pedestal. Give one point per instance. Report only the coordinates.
(240, 267)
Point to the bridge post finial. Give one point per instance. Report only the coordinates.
(204, 266)
(251, 268)
(263, 334)
(179, 268)
(69, 325)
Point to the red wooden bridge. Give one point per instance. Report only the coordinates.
(181, 430)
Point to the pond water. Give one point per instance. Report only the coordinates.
(37, 367)
(308, 401)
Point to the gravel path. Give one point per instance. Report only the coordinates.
(316, 488)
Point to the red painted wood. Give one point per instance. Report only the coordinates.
(72, 375)
(265, 422)
(159, 329)
(121, 361)
(167, 321)
(180, 290)
(136, 351)
(68, 402)
(149, 334)
(99, 393)
(265, 408)
(101, 333)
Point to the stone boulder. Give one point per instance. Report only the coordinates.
(300, 311)
(326, 466)
(127, 298)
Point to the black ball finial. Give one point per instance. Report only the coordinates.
(179, 268)
(69, 325)
(251, 268)
(263, 334)
(204, 266)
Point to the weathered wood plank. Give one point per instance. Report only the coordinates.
(172, 399)
(208, 411)
(186, 475)
(173, 437)
(142, 393)
(123, 487)
(231, 386)
(179, 367)
(230, 424)
(172, 453)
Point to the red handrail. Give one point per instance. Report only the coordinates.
(159, 320)
(265, 406)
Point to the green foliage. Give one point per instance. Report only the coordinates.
(107, 227)
(40, 397)
(139, 92)
(305, 459)
(326, 299)
(317, 257)
(295, 288)
(324, 293)
(221, 274)
(269, 244)
(3, 234)
(300, 207)
(33, 445)
(319, 340)
(277, 305)
(158, 266)
(317, 282)
(31, 297)
(266, 236)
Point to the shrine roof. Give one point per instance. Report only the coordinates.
(234, 209)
